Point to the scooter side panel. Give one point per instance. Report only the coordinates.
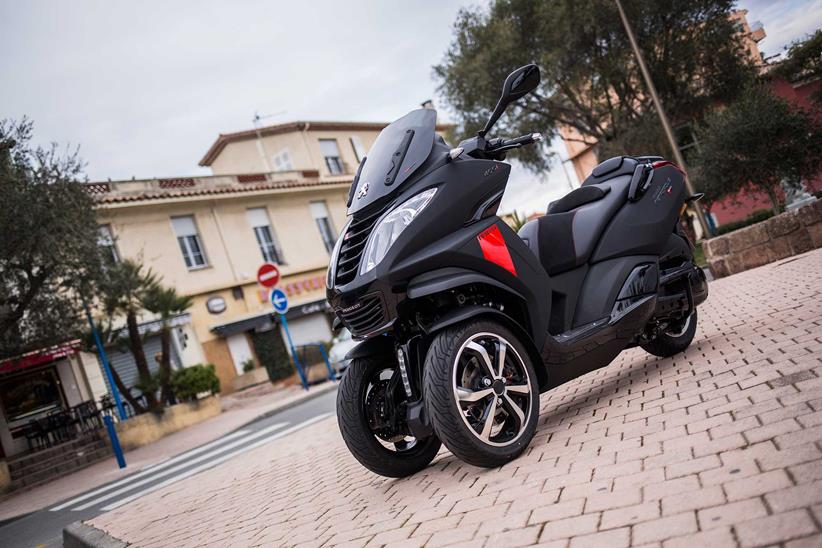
(643, 227)
(602, 286)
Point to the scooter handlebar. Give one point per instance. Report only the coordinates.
(499, 145)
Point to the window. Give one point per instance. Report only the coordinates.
(282, 161)
(331, 153)
(269, 247)
(320, 213)
(356, 146)
(189, 241)
(106, 242)
(27, 395)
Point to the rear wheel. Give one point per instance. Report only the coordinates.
(481, 393)
(370, 404)
(675, 339)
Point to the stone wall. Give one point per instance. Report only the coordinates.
(779, 237)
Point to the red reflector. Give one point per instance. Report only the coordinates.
(494, 249)
(663, 163)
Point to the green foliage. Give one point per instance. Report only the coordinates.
(590, 79)
(699, 255)
(272, 354)
(803, 61)
(166, 302)
(48, 242)
(248, 366)
(516, 221)
(754, 145)
(190, 381)
(756, 217)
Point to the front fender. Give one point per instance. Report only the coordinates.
(378, 346)
(468, 312)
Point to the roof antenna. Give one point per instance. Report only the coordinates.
(260, 146)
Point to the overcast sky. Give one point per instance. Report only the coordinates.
(145, 87)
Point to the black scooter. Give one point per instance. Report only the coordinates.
(464, 322)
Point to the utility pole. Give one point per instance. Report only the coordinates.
(663, 118)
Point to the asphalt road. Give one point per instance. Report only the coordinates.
(45, 527)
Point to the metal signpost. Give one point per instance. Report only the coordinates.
(279, 300)
(101, 352)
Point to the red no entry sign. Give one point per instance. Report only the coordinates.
(268, 275)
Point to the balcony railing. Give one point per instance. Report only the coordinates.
(137, 189)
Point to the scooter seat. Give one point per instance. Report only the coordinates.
(565, 238)
(577, 197)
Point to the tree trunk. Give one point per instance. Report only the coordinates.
(165, 365)
(775, 205)
(118, 382)
(140, 357)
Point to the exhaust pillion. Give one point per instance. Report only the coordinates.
(463, 321)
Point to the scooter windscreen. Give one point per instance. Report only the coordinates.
(399, 150)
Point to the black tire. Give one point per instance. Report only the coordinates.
(361, 441)
(668, 344)
(446, 414)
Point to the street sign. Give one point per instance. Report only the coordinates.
(268, 275)
(279, 301)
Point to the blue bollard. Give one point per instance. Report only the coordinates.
(115, 442)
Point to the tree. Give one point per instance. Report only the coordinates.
(591, 81)
(803, 61)
(754, 145)
(48, 247)
(166, 302)
(124, 287)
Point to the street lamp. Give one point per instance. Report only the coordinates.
(663, 118)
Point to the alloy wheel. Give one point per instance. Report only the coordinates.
(492, 389)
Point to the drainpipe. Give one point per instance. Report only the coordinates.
(304, 133)
(222, 241)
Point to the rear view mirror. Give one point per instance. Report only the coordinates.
(519, 83)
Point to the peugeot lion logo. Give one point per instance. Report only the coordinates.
(363, 191)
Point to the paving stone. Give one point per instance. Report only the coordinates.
(775, 529)
(719, 444)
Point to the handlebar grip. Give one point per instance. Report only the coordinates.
(520, 141)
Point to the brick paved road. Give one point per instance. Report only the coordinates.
(718, 446)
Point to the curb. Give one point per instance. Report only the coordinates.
(313, 393)
(80, 535)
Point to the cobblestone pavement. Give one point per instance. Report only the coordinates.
(718, 446)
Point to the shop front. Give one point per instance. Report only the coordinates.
(41, 397)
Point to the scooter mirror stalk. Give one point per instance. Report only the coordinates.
(519, 83)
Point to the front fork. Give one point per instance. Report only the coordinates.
(410, 357)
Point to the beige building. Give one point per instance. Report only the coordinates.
(278, 194)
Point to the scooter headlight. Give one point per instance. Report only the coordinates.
(391, 226)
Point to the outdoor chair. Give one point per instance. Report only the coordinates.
(36, 436)
(89, 416)
(62, 425)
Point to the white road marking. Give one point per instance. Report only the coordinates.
(212, 463)
(181, 466)
(169, 462)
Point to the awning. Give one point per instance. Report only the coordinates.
(39, 357)
(266, 320)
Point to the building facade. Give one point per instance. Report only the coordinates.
(278, 194)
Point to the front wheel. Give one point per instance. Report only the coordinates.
(481, 393)
(676, 338)
(369, 403)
